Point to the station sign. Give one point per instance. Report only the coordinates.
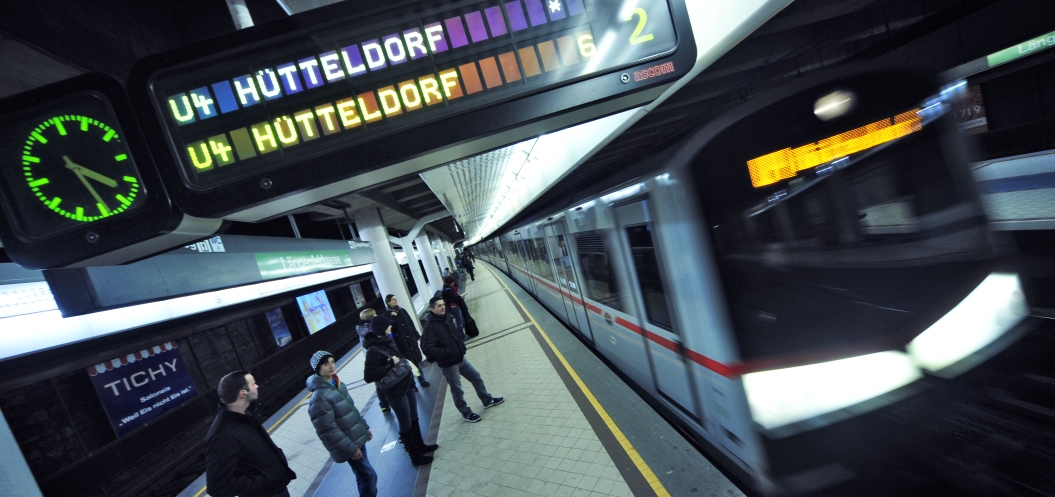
(254, 116)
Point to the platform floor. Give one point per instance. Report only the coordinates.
(569, 426)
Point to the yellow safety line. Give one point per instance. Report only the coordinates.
(642, 466)
(291, 411)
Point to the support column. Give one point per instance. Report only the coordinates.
(386, 270)
(415, 269)
(15, 475)
(428, 258)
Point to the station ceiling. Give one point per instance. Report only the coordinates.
(50, 40)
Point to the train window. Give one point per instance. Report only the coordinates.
(562, 259)
(409, 279)
(599, 281)
(653, 292)
(542, 267)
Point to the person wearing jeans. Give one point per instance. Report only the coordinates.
(337, 422)
(443, 343)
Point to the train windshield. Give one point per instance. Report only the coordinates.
(859, 252)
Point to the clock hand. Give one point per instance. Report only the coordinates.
(77, 168)
(80, 175)
(98, 177)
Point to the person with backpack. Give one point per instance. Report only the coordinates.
(337, 422)
(444, 344)
(393, 375)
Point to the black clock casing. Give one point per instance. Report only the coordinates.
(77, 178)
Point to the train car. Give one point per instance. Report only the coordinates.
(782, 279)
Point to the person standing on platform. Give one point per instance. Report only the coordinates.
(443, 343)
(405, 335)
(453, 301)
(240, 458)
(338, 423)
(385, 368)
(362, 329)
(467, 263)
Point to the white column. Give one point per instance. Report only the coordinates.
(386, 270)
(428, 258)
(15, 476)
(415, 269)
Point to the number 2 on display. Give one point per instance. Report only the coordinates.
(642, 19)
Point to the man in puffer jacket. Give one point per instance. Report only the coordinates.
(338, 423)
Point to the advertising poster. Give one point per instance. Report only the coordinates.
(278, 327)
(377, 291)
(316, 310)
(357, 294)
(137, 388)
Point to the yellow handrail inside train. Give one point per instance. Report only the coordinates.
(786, 163)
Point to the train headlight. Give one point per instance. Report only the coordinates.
(784, 396)
(989, 311)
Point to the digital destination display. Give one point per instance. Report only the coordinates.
(237, 116)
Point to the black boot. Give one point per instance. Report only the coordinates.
(415, 431)
(423, 381)
(417, 458)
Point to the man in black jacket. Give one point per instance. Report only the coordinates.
(241, 459)
(405, 335)
(443, 343)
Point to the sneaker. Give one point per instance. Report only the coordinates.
(384, 409)
(471, 417)
(494, 402)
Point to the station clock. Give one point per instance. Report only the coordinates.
(77, 180)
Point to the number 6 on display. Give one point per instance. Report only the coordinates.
(642, 18)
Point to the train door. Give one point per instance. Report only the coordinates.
(525, 265)
(559, 277)
(567, 280)
(655, 315)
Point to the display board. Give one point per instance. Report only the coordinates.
(279, 328)
(315, 307)
(364, 86)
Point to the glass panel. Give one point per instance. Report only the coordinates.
(543, 269)
(599, 280)
(652, 291)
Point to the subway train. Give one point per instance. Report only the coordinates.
(783, 281)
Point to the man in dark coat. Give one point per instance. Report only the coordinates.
(241, 459)
(467, 263)
(405, 335)
(444, 344)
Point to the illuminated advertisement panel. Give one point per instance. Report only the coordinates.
(240, 116)
(315, 307)
(139, 387)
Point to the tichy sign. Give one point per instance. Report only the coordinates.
(139, 387)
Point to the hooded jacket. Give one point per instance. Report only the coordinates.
(378, 365)
(404, 333)
(336, 420)
(442, 342)
(241, 459)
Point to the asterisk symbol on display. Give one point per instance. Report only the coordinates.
(554, 5)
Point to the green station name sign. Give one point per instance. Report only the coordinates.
(1023, 49)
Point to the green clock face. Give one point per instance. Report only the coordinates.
(78, 167)
(65, 165)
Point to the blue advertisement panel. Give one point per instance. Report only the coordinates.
(316, 310)
(278, 327)
(137, 388)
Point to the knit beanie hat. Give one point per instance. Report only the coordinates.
(317, 357)
(379, 325)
